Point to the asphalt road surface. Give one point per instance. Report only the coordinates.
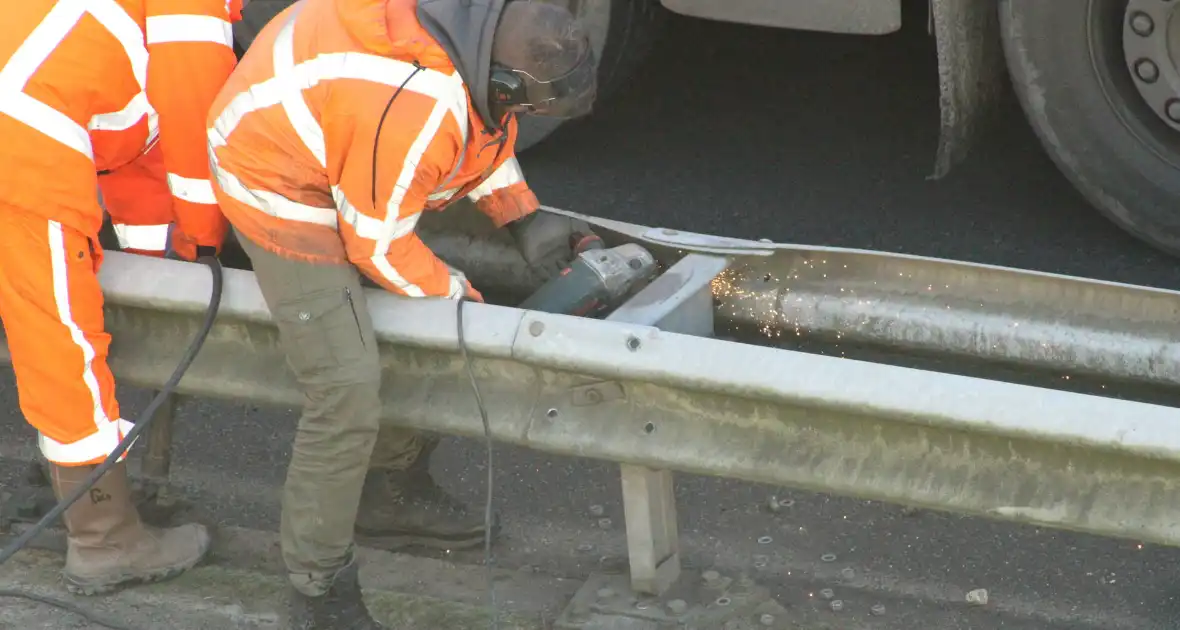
(808, 138)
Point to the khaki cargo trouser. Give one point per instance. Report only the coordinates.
(327, 334)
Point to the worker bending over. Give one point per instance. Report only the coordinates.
(89, 86)
(343, 122)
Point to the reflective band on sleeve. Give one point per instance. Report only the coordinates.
(95, 446)
(152, 238)
(192, 190)
(126, 118)
(508, 174)
(163, 29)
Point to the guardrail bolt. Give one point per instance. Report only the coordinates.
(710, 576)
(827, 593)
(828, 557)
(585, 547)
(765, 540)
(760, 561)
(837, 605)
(597, 510)
(766, 619)
(847, 573)
(678, 606)
(878, 609)
(536, 328)
(604, 523)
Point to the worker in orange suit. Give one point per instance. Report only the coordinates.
(343, 122)
(119, 87)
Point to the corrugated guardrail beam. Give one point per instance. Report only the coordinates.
(695, 405)
(973, 313)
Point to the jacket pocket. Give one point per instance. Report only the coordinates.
(320, 332)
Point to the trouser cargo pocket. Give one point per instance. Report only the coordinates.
(321, 331)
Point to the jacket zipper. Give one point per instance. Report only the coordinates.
(355, 317)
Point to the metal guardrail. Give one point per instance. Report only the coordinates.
(694, 404)
(653, 400)
(966, 312)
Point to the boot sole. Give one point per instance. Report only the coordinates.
(105, 586)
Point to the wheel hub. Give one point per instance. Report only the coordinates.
(1151, 46)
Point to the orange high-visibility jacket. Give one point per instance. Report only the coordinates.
(347, 118)
(169, 60)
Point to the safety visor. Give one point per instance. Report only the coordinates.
(568, 96)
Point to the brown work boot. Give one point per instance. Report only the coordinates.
(407, 508)
(109, 546)
(336, 606)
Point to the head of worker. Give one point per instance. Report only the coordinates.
(542, 63)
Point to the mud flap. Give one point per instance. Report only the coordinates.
(971, 73)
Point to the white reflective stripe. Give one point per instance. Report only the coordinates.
(191, 190)
(46, 120)
(40, 43)
(89, 448)
(442, 87)
(37, 47)
(365, 225)
(126, 118)
(269, 202)
(61, 298)
(442, 196)
(457, 287)
(146, 237)
(300, 116)
(508, 174)
(164, 29)
(393, 210)
(127, 31)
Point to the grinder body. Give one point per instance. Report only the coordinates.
(595, 281)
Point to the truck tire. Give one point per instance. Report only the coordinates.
(1107, 129)
(622, 31)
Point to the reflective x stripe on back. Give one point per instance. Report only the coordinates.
(44, 39)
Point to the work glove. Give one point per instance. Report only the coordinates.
(547, 240)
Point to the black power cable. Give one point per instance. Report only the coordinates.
(141, 424)
(494, 623)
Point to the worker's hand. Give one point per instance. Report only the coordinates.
(546, 240)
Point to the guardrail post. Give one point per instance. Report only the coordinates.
(680, 300)
(156, 466)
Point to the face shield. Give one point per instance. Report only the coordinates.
(567, 96)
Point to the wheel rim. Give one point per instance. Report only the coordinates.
(1151, 51)
(1107, 21)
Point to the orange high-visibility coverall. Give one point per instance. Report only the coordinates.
(294, 133)
(87, 86)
